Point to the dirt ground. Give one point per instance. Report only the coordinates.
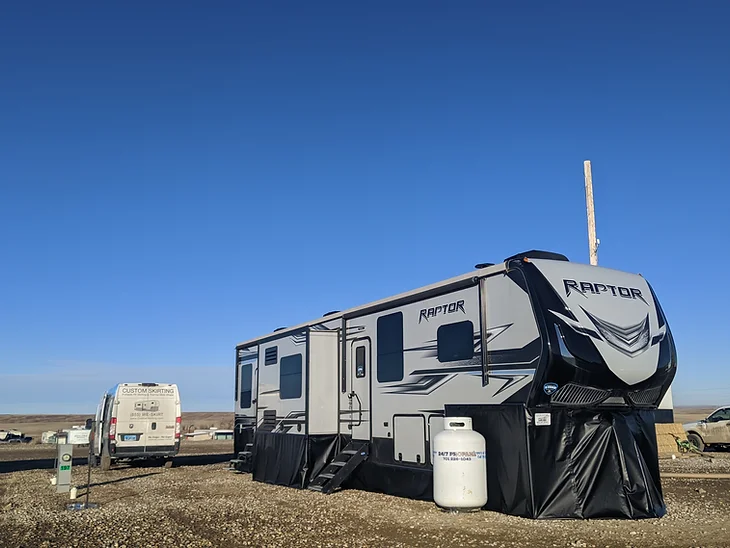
(200, 503)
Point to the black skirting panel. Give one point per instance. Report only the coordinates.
(584, 464)
(504, 429)
(664, 416)
(292, 460)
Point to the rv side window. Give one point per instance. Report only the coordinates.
(271, 355)
(390, 347)
(290, 377)
(360, 362)
(246, 385)
(455, 341)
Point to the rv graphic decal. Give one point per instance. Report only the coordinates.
(509, 365)
(434, 311)
(285, 423)
(246, 354)
(299, 338)
(630, 340)
(596, 289)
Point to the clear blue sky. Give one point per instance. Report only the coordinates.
(176, 179)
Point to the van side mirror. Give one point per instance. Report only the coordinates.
(89, 422)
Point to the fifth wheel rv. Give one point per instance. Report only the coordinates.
(138, 421)
(541, 352)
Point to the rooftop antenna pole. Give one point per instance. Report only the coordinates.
(592, 240)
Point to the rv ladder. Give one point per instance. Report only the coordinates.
(337, 471)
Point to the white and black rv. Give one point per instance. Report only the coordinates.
(355, 397)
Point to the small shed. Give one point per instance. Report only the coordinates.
(223, 435)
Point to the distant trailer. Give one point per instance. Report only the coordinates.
(535, 348)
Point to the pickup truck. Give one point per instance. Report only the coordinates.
(14, 436)
(711, 432)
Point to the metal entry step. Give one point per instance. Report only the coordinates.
(341, 467)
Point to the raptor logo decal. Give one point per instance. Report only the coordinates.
(448, 308)
(591, 288)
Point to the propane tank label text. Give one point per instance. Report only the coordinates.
(460, 455)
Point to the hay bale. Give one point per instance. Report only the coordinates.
(665, 441)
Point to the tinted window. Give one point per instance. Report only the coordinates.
(360, 361)
(246, 385)
(721, 415)
(271, 355)
(390, 347)
(290, 377)
(455, 341)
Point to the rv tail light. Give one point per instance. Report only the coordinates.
(178, 421)
(113, 428)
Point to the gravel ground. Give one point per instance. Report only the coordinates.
(199, 504)
(709, 463)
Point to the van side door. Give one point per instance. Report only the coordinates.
(99, 425)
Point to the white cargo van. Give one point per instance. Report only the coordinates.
(136, 421)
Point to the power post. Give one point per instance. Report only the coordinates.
(592, 240)
(64, 460)
(78, 437)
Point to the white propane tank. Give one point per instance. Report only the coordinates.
(459, 466)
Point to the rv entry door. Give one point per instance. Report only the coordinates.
(359, 393)
(247, 393)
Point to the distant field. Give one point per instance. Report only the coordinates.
(34, 425)
(690, 414)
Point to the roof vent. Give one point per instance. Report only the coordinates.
(483, 265)
(537, 254)
(279, 329)
(330, 313)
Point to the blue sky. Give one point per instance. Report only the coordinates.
(179, 177)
